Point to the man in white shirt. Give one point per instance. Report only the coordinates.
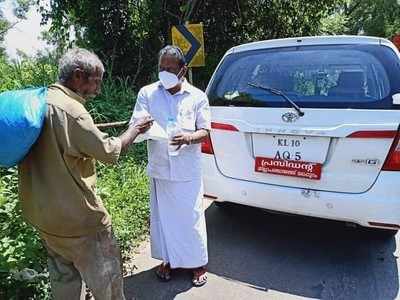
(177, 228)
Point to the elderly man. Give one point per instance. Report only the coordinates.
(57, 183)
(177, 225)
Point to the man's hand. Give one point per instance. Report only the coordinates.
(189, 138)
(143, 124)
(181, 139)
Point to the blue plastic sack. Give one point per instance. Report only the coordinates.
(22, 116)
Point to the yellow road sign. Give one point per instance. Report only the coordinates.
(190, 39)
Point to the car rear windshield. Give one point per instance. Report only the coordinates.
(342, 76)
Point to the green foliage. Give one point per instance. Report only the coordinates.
(4, 25)
(115, 102)
(368, 17)
(21, 7)
(129, 33)
(371, 17)
(26, 73)
(336, 23)
(20, 247)
(125, 192)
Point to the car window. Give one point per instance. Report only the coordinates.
(341, 75)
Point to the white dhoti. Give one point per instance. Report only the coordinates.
(177, 223)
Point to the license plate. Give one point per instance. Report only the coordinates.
(291, 147)
(300, 169)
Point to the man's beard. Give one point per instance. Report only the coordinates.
(88, 96)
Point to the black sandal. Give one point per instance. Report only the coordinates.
(163, 272)
(199, 277)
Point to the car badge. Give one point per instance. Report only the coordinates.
(289, 117)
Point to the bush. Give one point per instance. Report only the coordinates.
(20, 247)
(115, 102)
(26, 74)
(125, 192)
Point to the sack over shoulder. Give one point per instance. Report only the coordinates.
(22, 114)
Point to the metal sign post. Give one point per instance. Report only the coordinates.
(190, 74)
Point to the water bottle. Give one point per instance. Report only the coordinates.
(173, 129)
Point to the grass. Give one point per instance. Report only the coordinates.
(125, 193)
(115, 102)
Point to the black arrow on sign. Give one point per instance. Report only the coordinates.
(195, 44)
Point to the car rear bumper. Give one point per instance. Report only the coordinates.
(378, 206)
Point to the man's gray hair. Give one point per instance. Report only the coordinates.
(78, 58)
(173, 51)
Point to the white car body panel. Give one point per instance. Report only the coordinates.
(377, 205)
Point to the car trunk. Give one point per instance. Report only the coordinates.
(338, 150)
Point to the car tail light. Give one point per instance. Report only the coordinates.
(206, 146)
(392, 162)
(223, 126)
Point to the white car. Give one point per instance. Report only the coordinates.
(308, 126)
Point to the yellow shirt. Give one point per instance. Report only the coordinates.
(57, 179)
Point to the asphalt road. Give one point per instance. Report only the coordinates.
(258, 255)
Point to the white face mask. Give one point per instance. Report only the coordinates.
(168, 80)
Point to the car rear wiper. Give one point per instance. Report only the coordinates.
(279, 93)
